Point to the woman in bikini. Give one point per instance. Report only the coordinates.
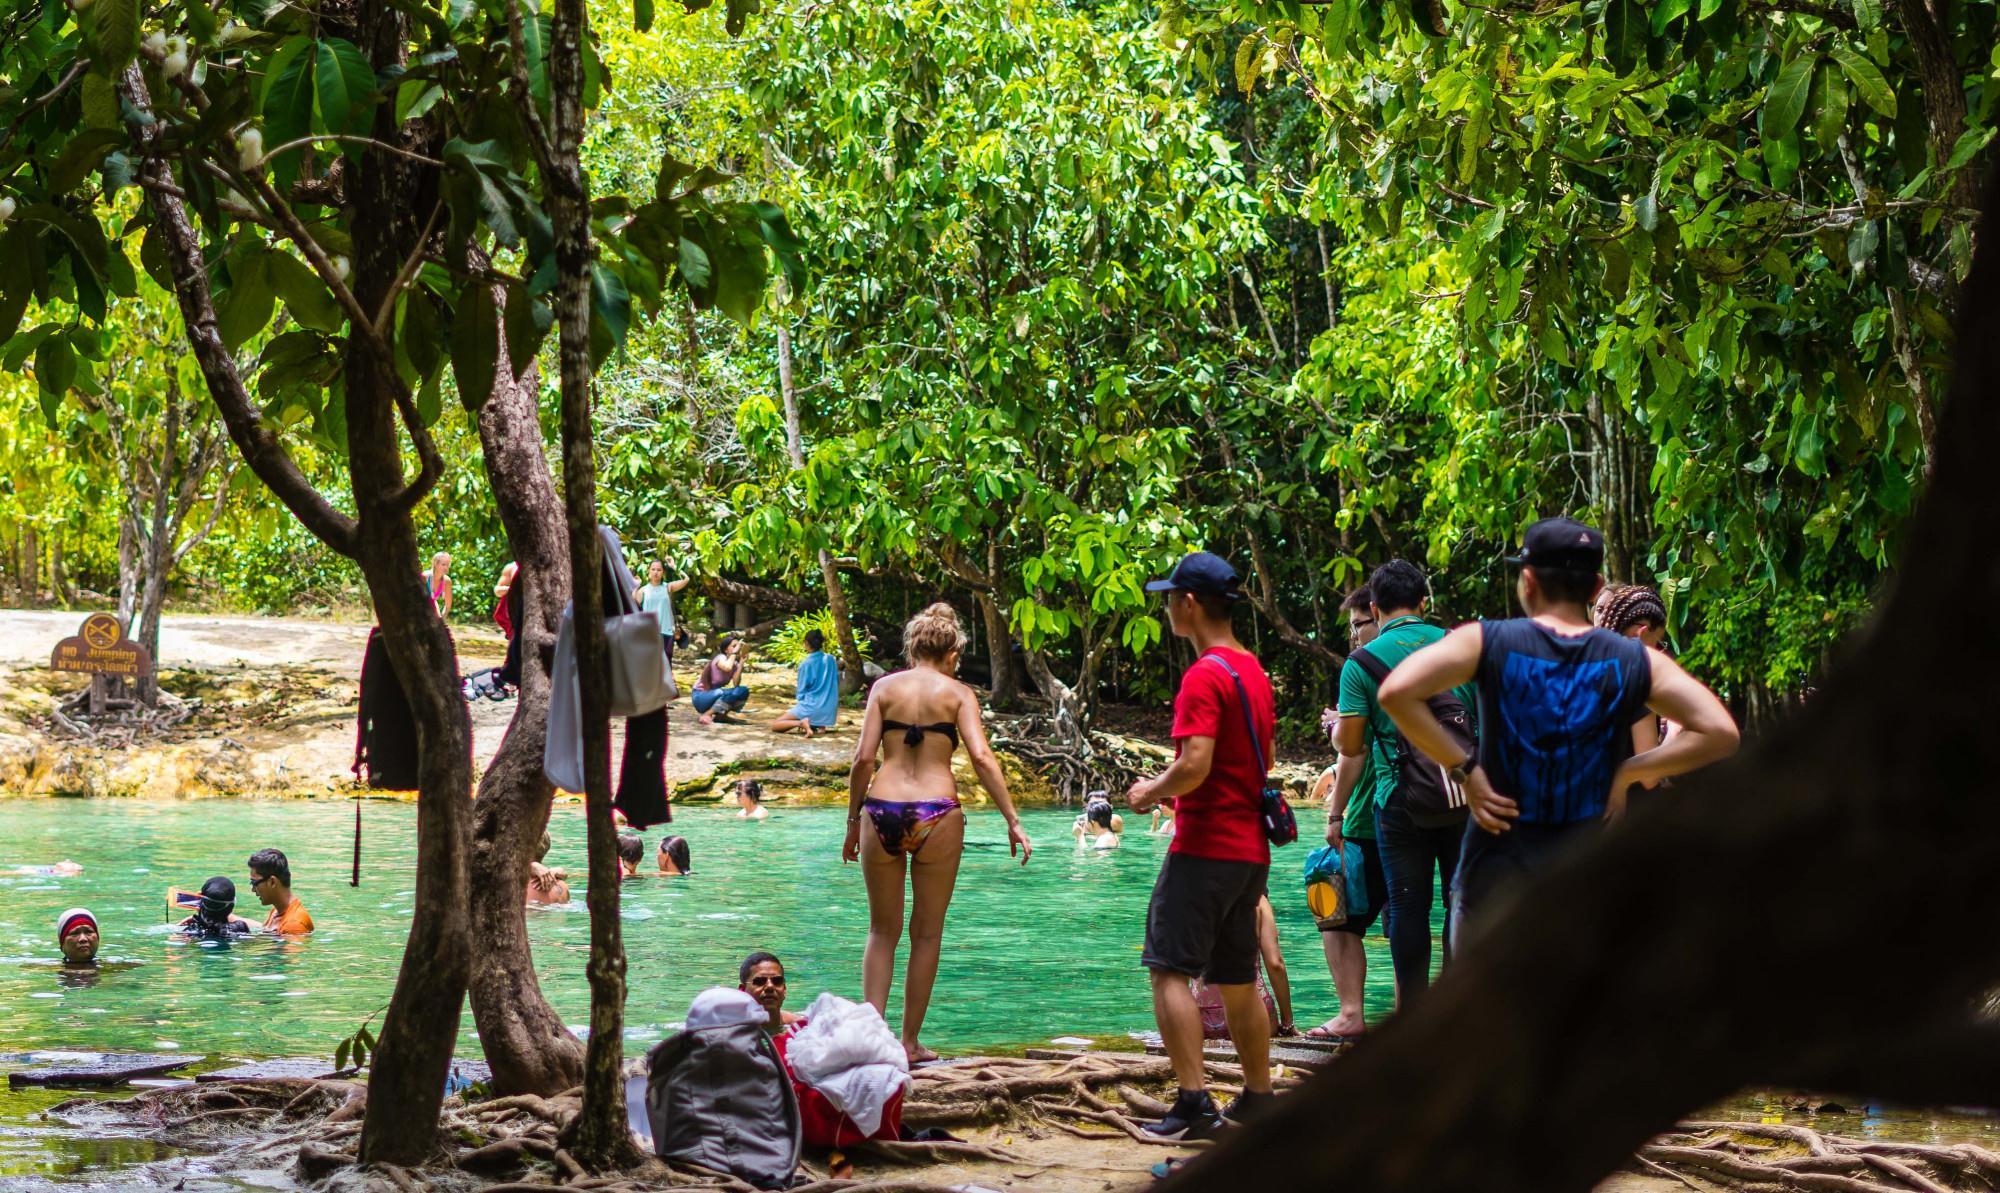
(438, 579)
(903, 817)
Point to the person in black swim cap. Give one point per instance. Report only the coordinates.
(215, 917)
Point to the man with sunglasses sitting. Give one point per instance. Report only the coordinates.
(271, 882)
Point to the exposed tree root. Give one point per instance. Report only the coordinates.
(1718, 1154)
(512, 1144)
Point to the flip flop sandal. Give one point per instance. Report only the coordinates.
(1167, 1168)
(1325, 1036)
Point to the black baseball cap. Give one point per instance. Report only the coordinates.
(1561, 543)
(1202, 572)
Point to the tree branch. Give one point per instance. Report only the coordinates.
(261, 449)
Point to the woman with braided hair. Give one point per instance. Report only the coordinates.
(1636, 611)
(1633, 611)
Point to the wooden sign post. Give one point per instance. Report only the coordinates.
(101, 649)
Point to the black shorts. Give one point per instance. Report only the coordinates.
(1202, 921)
(1376, 880)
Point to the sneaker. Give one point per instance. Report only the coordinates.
(1249, 1106)
(1190, 1118)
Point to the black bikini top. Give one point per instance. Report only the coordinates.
(913, 735)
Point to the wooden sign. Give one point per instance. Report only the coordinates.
(101, 648)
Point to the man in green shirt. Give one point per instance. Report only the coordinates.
(1410, 850)
(1348, 789)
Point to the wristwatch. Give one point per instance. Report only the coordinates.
(1462, 773)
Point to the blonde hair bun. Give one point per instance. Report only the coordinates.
(933, 635)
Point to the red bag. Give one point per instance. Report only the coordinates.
(822, 1123)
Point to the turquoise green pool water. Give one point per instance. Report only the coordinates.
(1030, 953)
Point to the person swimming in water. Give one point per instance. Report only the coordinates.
(903, 817)
(545, 883)
(62, 869)
(675, 858)
(631, 849)
(215, 916)
(76, 936)
(750, 800)
(1099, 826)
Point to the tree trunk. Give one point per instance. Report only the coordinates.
(420, 1031)
(836, 595)
(31, 565)
(526, 1042)
(999, 652)
(420, 1028)
(599, 1138)
(1614, 996)
(1944, 94)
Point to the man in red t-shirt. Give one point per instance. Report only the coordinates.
(1202, 921)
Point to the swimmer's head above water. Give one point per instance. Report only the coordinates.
(76, 936)
(211, 916)
(675, 857)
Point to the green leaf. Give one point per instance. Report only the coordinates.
(246, 306)
(17, 283)
(611, 312)
(340, 1051)
(642, 15)
(1969, 144)
(288, 105)
(1869, 84)
(115, 34)
(80, 157)
(475, 346)
(694, 263)
(100, 103)
(1861, 244)
(1646, 212)
(1785, 101)
(345, 86)
(415, 98)
(1867, 14)
(1665, 12)
(306, 297)
(1625, 27)
(430, 398)
(421, 337)
(55, 366)
(528, 322)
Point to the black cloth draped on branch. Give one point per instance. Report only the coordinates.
(385, 736)
(642, 780)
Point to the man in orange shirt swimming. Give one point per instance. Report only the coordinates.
(271, 882)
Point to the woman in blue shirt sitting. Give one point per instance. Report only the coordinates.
(818, 704)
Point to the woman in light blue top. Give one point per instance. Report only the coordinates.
(656, 596)
(818, 703)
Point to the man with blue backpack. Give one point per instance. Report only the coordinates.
(1419, 812)
(1557, 701)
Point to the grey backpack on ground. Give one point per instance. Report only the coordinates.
(719, 1097)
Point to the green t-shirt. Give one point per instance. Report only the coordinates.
(1398, 640)
(1359, 823)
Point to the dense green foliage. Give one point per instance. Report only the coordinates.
(1083, 285)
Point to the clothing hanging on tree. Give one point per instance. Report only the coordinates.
(510, 671)
(642, 776)
(385, 732)
(642, 779)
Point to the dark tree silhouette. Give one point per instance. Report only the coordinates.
(1819, 912)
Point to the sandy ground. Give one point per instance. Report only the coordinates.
(279, 700)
